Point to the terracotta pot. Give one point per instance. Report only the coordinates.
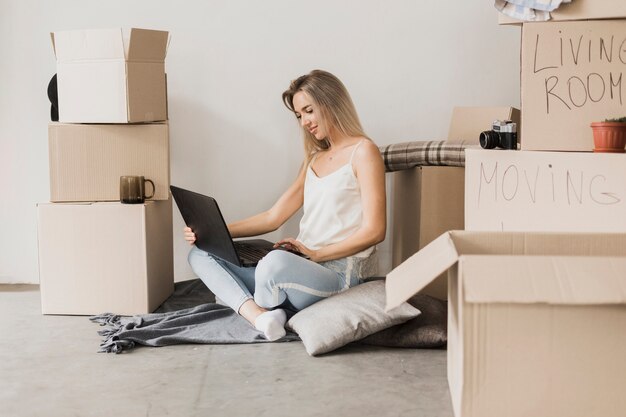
(609, 136)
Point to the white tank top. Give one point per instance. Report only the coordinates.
(332, 207)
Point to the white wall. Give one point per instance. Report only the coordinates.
(406, 63)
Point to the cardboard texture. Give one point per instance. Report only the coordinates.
(427, 201)
(111, 75)
(105, 257)
(535, 320)
(468, 122)
(87, 161)
(579, 10)
(572, 75)
(545, 191)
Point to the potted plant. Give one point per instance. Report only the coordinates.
(610, 135)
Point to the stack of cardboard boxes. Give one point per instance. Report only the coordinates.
(95, 253)
(429, 200)
(537, 280)
(573, 73)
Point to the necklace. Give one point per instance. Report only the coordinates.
(330, 157)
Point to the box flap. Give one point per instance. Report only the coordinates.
(543, 279)
(86, 45)
(147, 45)
(467, 122)
(54, 49)
(539, 243)
(419, 270)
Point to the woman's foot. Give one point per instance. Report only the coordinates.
(272, 324)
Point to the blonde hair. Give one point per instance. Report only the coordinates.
(334, 102)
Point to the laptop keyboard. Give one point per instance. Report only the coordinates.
(248, 252)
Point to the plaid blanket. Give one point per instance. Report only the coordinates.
(399, 156)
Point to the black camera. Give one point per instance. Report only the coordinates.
(503, 135)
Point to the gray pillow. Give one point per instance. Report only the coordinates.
(348, 316)
(427, 331)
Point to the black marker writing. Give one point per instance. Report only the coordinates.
(612, 198)
(570, 186)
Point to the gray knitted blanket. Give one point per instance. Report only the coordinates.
(188, 316)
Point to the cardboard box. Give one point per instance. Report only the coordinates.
(87, 161)
(105, 257)
(535, 321)
(427, 201)
(572, 74)
(545, 191)
(579, 10)
(468, 122)
(111, 75)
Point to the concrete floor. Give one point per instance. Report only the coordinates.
(49, 367)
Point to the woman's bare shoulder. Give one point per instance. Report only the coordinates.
(367, 149)
(367, 158)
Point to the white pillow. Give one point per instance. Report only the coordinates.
(346, 317)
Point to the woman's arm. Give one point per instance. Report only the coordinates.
(370, 171)
(272, 219)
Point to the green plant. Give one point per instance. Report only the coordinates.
(616, 120)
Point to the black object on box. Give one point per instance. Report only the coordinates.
(54, 99)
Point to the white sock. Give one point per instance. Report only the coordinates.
(272, 324)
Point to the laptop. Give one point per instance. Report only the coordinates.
(202, 214)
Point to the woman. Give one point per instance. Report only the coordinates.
(341, 185)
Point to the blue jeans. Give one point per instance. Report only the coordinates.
(279, 278)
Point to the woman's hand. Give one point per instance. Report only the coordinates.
(294, 245)
(189, 235)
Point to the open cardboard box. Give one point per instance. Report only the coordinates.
(535, 321)
(111, 75)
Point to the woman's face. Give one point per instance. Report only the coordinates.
(309, 115)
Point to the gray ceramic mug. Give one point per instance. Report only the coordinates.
(133, 189)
